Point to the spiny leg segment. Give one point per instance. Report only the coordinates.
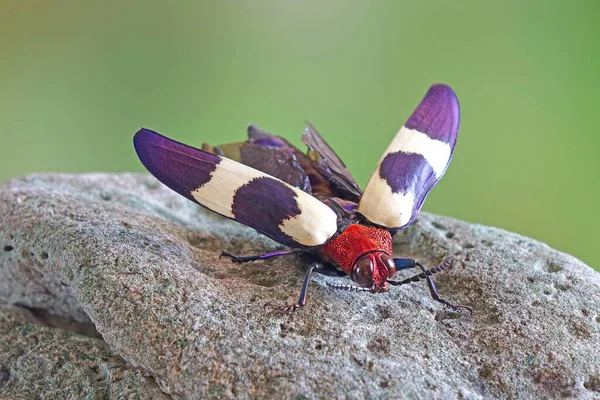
(404, 263)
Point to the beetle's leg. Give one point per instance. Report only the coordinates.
(315, 267)
(243, 259)
(433, 290)
(426, 274)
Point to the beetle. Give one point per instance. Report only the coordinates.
(310, 202)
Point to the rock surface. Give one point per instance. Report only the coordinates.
(142, 264)
(41, 362)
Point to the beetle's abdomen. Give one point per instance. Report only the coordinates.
(355, 241)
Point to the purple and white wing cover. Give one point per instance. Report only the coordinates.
(414, 161)
(274, 208)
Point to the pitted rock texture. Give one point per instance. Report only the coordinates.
(41, 362)
(143, 264)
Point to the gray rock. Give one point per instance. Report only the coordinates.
(143, 264)
(39, 362)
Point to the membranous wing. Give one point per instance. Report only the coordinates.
(330, 165)
(276, 162)
(414, 162)
(277, 157)
(272, 207)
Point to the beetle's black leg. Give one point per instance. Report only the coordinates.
(433, 290)
(243, 259)
(426, 274)
(303, 292)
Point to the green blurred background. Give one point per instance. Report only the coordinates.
(77, 79)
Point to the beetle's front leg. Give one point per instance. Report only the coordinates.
(404, 263)
(303, 292)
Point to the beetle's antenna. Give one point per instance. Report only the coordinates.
(346, 287)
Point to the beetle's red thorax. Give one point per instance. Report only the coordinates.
(355, 241)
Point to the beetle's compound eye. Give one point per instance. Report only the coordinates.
(363, 272)
(389, 264)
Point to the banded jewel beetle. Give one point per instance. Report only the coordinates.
(310, 202)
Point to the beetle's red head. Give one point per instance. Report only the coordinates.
(372, 270)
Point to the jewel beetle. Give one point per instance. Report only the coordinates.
(310, 202)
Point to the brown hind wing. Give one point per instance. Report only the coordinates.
(330, 166)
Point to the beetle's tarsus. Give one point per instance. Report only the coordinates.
(456, 307)
(283, 309)
(303, 292)
(290, 308)
(234, 259)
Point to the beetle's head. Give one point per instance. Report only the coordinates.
(372, 270)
